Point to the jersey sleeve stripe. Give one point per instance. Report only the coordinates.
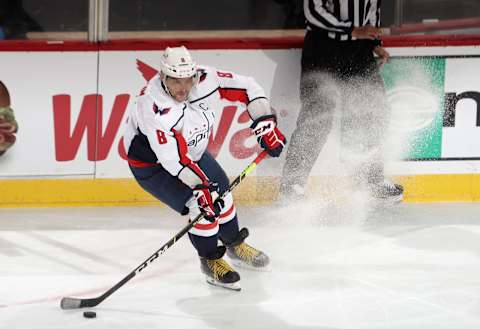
(234, 95)
(184, 158)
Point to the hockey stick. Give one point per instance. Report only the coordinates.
(68, 303)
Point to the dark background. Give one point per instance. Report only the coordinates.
(18, 17)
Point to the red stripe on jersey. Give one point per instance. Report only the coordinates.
(233, 95)
(182, 148)
(184, 159)
(208, 226)
(228, 212)
(140, 164)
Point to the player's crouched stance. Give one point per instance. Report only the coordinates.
(166, 139)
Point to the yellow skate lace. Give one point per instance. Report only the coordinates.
(219, 267)
(246, 252)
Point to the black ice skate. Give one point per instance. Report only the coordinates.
(218, 272)
(244, 255)
(387, 191)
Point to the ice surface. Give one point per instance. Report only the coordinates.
(333, 266)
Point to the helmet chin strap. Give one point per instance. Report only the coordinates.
(163, 78)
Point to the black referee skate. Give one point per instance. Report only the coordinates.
(244, 255)
(218, 272)
(387, 191)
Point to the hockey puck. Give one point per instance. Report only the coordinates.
(90, 314)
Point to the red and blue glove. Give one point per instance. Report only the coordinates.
(207, 201)
(268, 135)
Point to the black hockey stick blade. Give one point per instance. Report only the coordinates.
(70, 303)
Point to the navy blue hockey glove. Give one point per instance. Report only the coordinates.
(268, 135)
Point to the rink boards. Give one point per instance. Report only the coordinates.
(71, 101)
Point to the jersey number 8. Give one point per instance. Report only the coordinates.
(162, 139)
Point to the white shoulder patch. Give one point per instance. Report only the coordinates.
(207, 83)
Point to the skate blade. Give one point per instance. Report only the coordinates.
(231, 286)
(239, 264)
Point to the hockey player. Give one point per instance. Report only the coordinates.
(166, 139)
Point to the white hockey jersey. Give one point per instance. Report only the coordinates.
(160, 130)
